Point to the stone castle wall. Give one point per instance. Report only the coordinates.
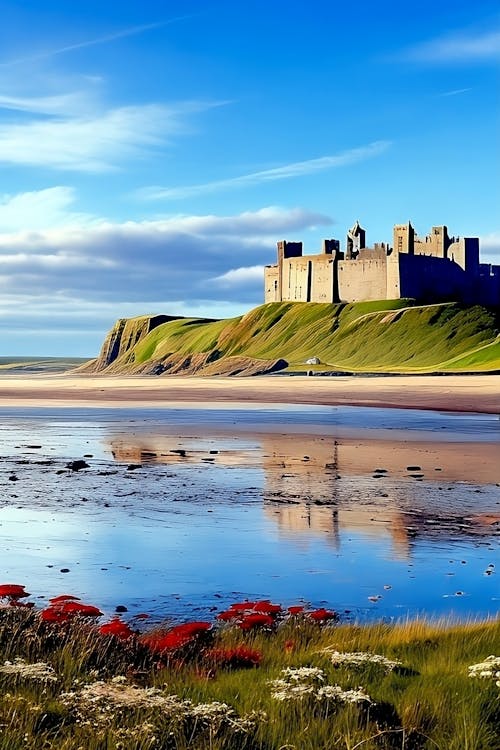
(362, 279)
(436, 268)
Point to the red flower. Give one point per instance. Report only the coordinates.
(76, 608)
(64, 598)
(289, 646)
(192, 629)
(296, 610)
(176, 637)
(117, 628)
(320, 615)
(257, 620)
(266, 607)
(239, 657)
(54, 615)
(64, 610)
(228, 615)
(12, 591)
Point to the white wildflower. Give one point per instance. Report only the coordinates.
(120, 693)
(305, 682)
(303, 674)
(217, 714)
(38, 671)
(101, 700)
(211, 711)
(296, 683)
(359, 659)
(488, 669)
(335, 692)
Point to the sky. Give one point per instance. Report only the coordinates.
(152, 153)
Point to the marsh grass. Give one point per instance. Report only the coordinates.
(111, 694)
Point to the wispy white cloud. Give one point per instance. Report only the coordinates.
(106, 38)
(97, 142)
(40, 209)
(74, 102)
(239, 276)
(460, 47)
(455, 92)
(285, 172)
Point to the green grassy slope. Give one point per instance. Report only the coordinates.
(384, 336)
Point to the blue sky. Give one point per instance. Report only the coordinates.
(152, 153)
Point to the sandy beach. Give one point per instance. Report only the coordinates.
(460, 393)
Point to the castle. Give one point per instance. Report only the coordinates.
(436, 268)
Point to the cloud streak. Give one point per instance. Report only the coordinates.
(97, 142)
(458, 48)
(105, 39)
(455, 92)
(285, 172)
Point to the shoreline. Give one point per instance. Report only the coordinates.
(455, 393)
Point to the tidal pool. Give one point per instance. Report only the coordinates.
(377, 513)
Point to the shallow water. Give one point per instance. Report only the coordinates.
(331, 505)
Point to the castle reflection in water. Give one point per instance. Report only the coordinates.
(314, 485)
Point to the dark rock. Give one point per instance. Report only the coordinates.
(77, 465)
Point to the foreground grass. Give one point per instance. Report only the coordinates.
(96, 692)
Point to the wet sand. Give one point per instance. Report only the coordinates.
(371, 511)
(455, 393)
(176, 518)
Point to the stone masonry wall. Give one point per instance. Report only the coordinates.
(362, 280)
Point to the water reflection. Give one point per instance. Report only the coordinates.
(171, 515)
(325, 486)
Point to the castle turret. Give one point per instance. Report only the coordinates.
(356, 241)
(404, 238)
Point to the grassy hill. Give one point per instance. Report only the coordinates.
(383, 336)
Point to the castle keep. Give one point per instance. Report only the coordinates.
(436, 268)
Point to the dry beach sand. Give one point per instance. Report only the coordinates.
(461, 393)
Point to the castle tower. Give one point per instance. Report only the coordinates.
(404, 238)
(440, 241)
(330, 247)
(356, 241)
